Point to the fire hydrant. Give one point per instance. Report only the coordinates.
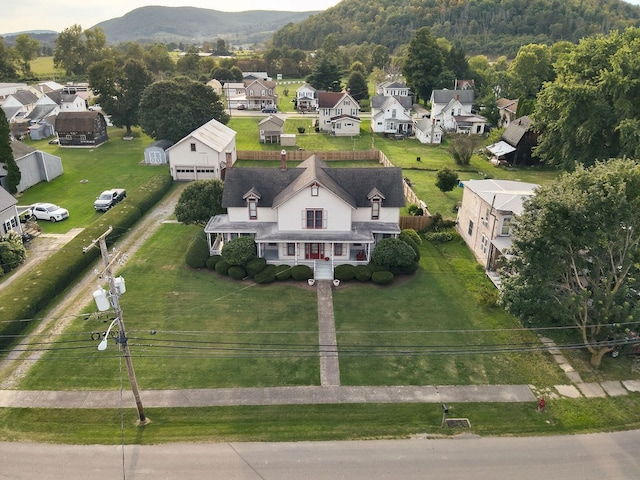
(541, 404)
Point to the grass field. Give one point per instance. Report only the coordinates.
(87, 172)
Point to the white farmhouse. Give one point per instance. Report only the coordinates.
(338, 114)
(309, 214)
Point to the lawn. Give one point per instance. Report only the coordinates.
(87, 172)
(214, 332)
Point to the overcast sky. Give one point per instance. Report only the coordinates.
(25, 15)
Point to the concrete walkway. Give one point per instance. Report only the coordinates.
(329, 366)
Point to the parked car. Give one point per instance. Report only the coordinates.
(109, 198)
(241, 107)
(49, 211)
(269, 110)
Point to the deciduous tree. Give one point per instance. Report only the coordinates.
(26, 50)
(575, 254)
(171, 109)
(200, 201)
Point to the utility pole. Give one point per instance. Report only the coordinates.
(122, 335)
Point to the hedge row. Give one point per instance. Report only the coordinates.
(259, 270)
(28, 295)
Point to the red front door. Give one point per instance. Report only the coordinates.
(314, 251)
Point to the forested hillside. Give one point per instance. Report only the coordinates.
(481, 26)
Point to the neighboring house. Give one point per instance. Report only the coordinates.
(270, 129)
(521, 136)
(486, 215)
(306, 98)
(446, 105)
(393, 89)
(427, 131)
(507, 110)
(338, 114)
(260, 94)
(473, 124)
(464, 84)
(391, 115)
(81, 129)
(68, 102)
(49, 105)
(234, 94)
(48, 86)
(156, 153)
(17, 106)
(7, 89)
(204, 154)
(256, 76)
(35, 165)
(9, 219)
(312, 214)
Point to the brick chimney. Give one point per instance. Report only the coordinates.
(283, 160)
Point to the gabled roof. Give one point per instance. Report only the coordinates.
(6, 200)
(340, 117)
(425, 125)
(163, 144)
(41, 111)
(353, 185)
(382, 101)
(445, 96)
(504, 195)
(77, 121)
(516, 130)
(213, 134)
(25, 97)
(331, 99)
(278, 121)
(20, 149)
(307, 86)
(507, 104)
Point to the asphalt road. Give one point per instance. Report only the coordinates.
(610, 456)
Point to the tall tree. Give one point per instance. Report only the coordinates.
(357, 86)
(26, 50)
(7, 161)
(171, 109)
(325, 75)
(7, 67)
(576, 251)
(424, 63)
(590, 110)
(77, 49)
(119, 89)
(158, 59)
(530, 70)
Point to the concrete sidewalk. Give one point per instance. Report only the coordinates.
(266, 396)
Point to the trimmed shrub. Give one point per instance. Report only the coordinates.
(255, 266)
(412, 234)
(222, 267)
(362, 273)
(212, 260)
(345, 272)
(376, 268)
(239, 251)
(393, 253)
(198, 251)
(283, 272)
(301, 273)
(237, 272)
(409, 241)
(268, 275)
(382, 278)
(439, 237)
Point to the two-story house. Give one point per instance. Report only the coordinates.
(204, 154)
(393, 88)
(452, 110)
(306, 98)
(311, 213)
(391, 115)
(486, 215)
(338, 114)
(260, 94)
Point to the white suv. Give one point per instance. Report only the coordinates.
(49, 211)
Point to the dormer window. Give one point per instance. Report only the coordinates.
(252, 204)
(314, 190)
(375, 208)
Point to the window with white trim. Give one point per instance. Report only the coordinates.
(291, 249)
(484, 243)
(314, 190)
(470, 229)
(375, 209)
(338, 249)
(252, 203)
